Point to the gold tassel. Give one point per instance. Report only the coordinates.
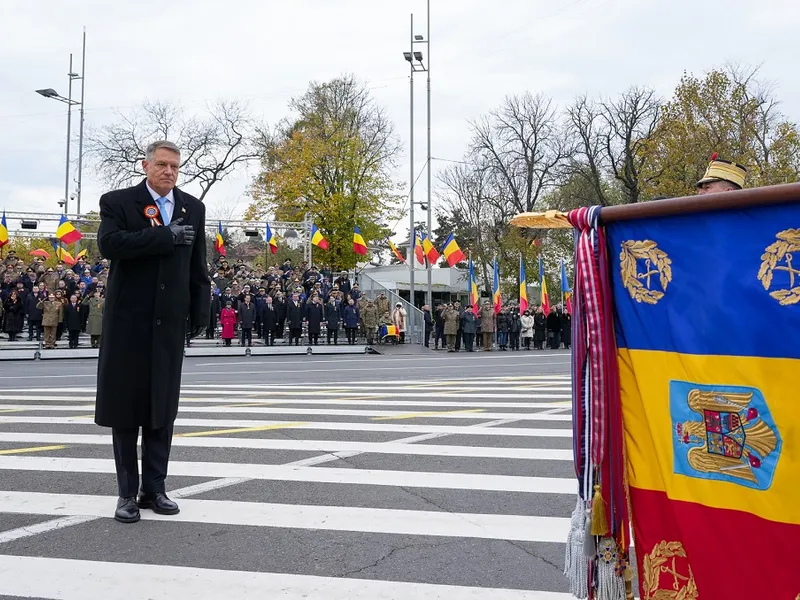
(599, 522)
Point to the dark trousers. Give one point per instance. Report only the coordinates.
(156, 445)
(469, 340)
(428, 332)
(269, 337)
(59, 331)
(335, 334)
(313, 338)
(73, 337)
(295, 333)
(281, 328)
(247, 336)
(459, 334)
(513, 340)
(34, 327)
(351, 334)
(555, 340)
(439, 336)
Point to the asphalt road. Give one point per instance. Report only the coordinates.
(358, 477)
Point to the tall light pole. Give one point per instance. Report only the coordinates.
(429, 294)
(79, 191)
(51, 93)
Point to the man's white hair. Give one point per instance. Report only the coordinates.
(151, 148)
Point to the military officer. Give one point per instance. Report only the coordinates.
(721, 176)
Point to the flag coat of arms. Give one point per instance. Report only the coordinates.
(686, 423)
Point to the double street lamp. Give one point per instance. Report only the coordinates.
(415, 60)
(52, 94)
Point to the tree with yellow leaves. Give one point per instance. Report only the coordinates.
(332, 161)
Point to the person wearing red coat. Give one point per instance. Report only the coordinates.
(228, 319)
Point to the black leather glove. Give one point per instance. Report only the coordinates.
(196, 330)
(182, 235)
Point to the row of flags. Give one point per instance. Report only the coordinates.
(66, 233)
(497, 299)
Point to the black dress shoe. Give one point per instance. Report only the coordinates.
(158, 503)
(127, 510)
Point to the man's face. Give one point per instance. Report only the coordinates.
(712, 187)
(269, 299)
(82, 285)
(162, 170)
(59, 268)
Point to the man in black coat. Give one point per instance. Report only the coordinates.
(269, 321)
(73, 319)
(295, 312)
(153, 234)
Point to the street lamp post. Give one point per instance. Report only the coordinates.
(51, 93)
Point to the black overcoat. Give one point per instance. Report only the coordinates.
(153, 287)
(315, 314)
(294, 314)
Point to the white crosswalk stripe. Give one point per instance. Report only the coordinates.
(314, 476)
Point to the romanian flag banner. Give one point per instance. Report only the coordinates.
(452, 252)
(3, 231)
(62, 254)
(389, 330)
(472, 286)
(219, 243)
(566, 291)
(271, 241)
(359, 245)
(707, 311)
(318, 239)
(81, 254)
(394, 249)
(430, 252)
(545, 300)
(523, 288)
(418, 251)
(66, 232)
(497, 300)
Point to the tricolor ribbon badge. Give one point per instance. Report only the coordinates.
(151, 212)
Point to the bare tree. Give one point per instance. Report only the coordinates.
(522, 146)
(212, 147)
(612, 137)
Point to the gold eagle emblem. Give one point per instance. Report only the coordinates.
(644, 286)
(668, 558)
(778, 256)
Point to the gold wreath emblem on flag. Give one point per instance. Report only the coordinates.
(778, 256)
(668, 558)
(643, 287)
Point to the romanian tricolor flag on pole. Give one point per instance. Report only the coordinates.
(81, 254)
(497, 300)
(3, 231)
(394, 249)
(62, 254)
(686, 316)
(566, 291)
(219, 243)
(359, 245)
(472, 286)
(452, 253)
(545, 300)
(430, 252)
(271, 241)
(66, 232)
(418, 251)
(318, 239)
(523, 287)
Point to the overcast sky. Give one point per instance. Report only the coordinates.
(265, 51)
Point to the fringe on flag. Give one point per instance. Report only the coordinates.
(610, 580)
(575, 564)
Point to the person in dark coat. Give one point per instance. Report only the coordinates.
(554, 329)
(469, 325)
(439, 329)
(539, 329)
(315, 314)
(247, 318)
(213, 315)
(333, 319)
(502, 329)
(566, 329)
(428, 318)
(260, 300)
(351, 317)
(34, 314)
(280, 312)
(294, 315)
(514, 328)
(153, 234)
(14, 313)
(269, 321)
(73, 319)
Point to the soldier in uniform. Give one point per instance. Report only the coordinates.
(721, 176)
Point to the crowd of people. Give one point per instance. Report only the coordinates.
(50, 301)
(455, 327)
(284, 302)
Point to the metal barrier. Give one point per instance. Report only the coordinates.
(416, 321)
